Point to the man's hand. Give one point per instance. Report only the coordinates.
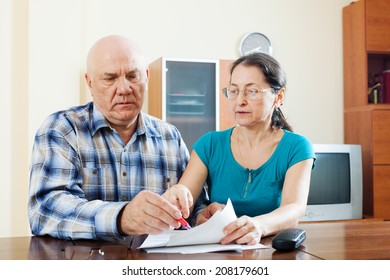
(208, 212)
(148, 213)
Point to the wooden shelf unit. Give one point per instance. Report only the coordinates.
(366, 50)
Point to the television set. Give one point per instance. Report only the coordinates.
(336, 184)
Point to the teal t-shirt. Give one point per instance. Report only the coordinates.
(252, 192)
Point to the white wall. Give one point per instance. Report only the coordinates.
(13, 113)
(5, 114)
(44, 44)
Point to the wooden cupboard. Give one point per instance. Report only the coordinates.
(187, 93)
(366, 50)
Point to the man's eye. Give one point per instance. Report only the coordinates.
(109, 78)
(134, 78)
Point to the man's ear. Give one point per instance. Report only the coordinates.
(89, 82)
(147, 73)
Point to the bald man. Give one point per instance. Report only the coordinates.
(98, 170)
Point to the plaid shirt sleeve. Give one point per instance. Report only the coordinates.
(82, 175)
(58, 205)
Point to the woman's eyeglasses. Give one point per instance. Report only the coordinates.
(251, 92)
(108, 252)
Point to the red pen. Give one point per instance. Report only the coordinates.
(184, 223)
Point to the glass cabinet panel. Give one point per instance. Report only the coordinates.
(190, 97)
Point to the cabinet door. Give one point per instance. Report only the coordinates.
(190, 97)
(378, 25)
(381, 137)
(354, 54)
(382, 191)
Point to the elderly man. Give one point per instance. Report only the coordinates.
(98, 170)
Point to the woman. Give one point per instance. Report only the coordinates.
(260, 164)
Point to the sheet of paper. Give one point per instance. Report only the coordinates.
(195, 249)
(205, 248)
(207, 233)
(200, 239)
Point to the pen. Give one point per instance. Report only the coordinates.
(184, 223)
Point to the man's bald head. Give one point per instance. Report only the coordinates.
(114, 47)
(117, 77)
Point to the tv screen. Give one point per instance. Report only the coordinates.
(330, 179)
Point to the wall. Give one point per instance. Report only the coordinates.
(44, 44)
(14, 107)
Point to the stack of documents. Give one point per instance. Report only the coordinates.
(200, 239)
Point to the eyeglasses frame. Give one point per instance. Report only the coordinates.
(225, 93)
(100, 249)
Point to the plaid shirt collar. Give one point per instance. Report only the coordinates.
(98, 121)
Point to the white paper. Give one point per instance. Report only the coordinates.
(205, 248)
(196, 249)
(206, 233)
(199, 239)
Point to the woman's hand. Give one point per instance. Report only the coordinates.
(180, 196)
(244, 230)
(208, 212)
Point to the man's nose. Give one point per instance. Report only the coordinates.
(123, 86)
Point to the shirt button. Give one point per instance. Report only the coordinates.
(94, 171)
(124, 174)
(124, 198)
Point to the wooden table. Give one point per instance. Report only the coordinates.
(333, 241)
(348, 240)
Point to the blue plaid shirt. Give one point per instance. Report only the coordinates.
(82, 174)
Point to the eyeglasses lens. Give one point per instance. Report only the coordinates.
(78, 252)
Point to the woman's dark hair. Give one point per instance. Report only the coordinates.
(274, 75)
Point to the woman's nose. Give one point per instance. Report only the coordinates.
(241, 98)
